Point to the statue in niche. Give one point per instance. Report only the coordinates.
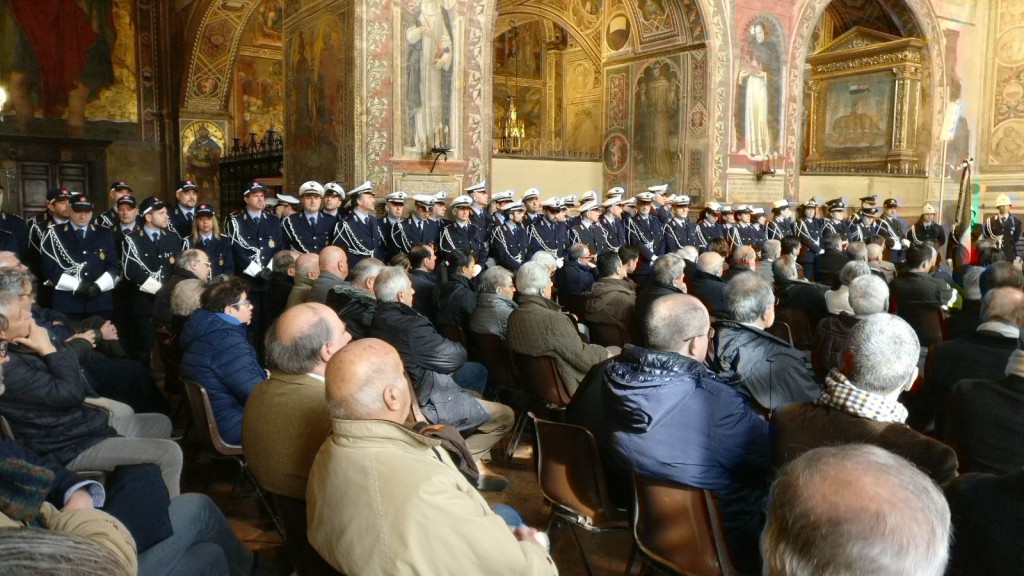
(657, 96)
(758, 110)
(429, 59)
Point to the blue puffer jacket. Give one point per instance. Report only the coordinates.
(670, 418)
(218, 356)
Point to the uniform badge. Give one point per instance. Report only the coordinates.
(102, 256)
(220, 262)
(171, 260)
(270, 243)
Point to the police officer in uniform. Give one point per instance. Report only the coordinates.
(147, 261)
(360, 233)
(895, 231)
(118, 189)
(531, 200)
(781, 224)
(80, 260)
(645, 232)
(480, 217)
(418, 228)
(611, 222)
(836, 222)
(462, 234)
(502, 200)
(394, 213)
(255, 237)
(510, 242)
(588, 231)
(185, 212)
(808, 229)
(334, 197)
(708, 228)
(15, 226)
(866, 226)
(309, 230)
(679, 231)
(1003, 228)
(550, 233)
(927, 229)
(748, 234)
(206, 236)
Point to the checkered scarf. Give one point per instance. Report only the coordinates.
(841, 394)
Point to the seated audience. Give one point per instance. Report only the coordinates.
(916, 286)
(857, 251)
(986, 417)
(796, 293)
(707, 285)
(307, 270)
(829, 263)
(333, 263)
(769, 254)
(855, 510)
(860, 404)
(281, 282)
(540, 328)
(983, 355)
(884, 269)
(217, 353)
(422, 260)
(354, 301)
(430, 359)
(988, 521)
(494, 303)
(667, 416)
(386, 500)
(299, 344)
(768, 369)
(612, 298)
(867, 295)
(999, 275)
(668, 277)
(190, 264)
(456, 298)
(744, 259)
(53, 412)
(579, 272)
(838, 299)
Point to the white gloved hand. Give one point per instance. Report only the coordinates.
(560, 262)
(905, 243)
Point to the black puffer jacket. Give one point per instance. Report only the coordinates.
(770, 371)
(44, 403)
(456, 300)
(429, 359)
(354, 307)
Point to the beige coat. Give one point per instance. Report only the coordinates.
(90, 523)
(284, 424)
(384, 500)
(540, 328)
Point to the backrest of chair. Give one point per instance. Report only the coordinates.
(573, 303)
(781, 330)
(540, 377)
(490, 350)
(607, 334)
(569, 471)
(678, 527)
(5, 429)
(799, 322)
(452, 332)
(929, 322)
(306, 560)
(206, 424)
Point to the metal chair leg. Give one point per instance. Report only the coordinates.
(263, 500)
(579, 547)
(517, 433)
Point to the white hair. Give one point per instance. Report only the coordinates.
(391, 281)
(882, 353)
(868, 295)
(546, 259)
(532, 277)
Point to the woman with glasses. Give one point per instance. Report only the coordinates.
(217, 353)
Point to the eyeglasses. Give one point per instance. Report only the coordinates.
(710, 334)
(3, 348)
(241, 303)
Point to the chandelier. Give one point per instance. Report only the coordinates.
(511, 130)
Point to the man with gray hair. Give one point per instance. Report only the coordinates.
(430, 359)
(707, 285)
(744, 259)
(579, 272)
(838, 299)
(769, 254)
(494, 303)
(665, 415)
(669, 277)
(770, 371)
(299, 344)
(855, 509)
(885, 269)
(794, 292)
(307, 270)
(354, 301)
(192, 263)
(861, 402)
(868, 295)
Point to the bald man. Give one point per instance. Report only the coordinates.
(285, 419)
(385, 500)
(333, 272)
(307, 270)
(707, 283)
(666, 416)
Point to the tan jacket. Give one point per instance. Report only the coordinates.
(539, 328)
(300, 291)
(284, 424)
(384, 500)
(90, 523)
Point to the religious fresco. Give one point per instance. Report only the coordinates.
(617, 32)
(317, 99)
(265, 27)
(757, 117)
(94, 78)
(657, 99)
(431, 58)
(1002, 145)
(520, 52)
(203, 143)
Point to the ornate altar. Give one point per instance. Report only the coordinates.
(864, 101)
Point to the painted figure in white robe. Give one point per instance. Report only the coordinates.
(430, 60)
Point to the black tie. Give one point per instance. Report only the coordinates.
(156, 237)
(188, 216)
(419, 224)
(312, 222)
(81, 233)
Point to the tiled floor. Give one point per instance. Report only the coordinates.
(608, 552)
